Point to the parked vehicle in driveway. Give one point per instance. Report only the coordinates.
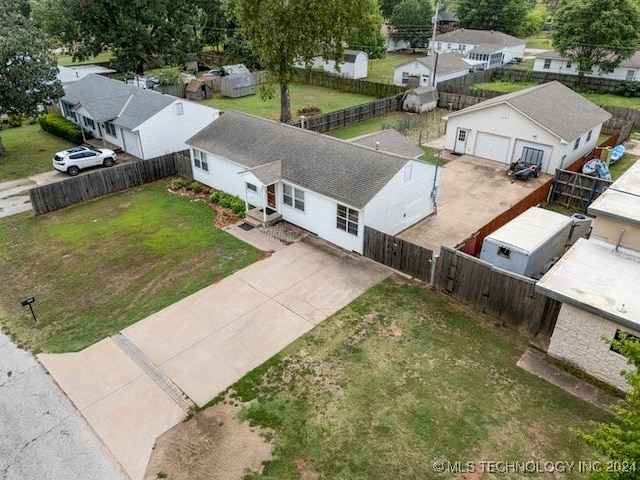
(74, 159)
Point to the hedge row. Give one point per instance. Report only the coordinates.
(61, 127)
(229, 201)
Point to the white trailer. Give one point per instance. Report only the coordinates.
(529, 244)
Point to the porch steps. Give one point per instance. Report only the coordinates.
(256, 218)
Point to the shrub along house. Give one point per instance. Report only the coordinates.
(141, 122)
(548, 124)
(325, 185)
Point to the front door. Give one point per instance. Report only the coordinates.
(271, 196)
(461, 141)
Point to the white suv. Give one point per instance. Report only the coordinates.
(75, 159)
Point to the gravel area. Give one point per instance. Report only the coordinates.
(42, 435)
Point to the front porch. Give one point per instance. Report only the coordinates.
(257, 217)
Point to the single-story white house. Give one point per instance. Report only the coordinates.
(447, 67)
(355, 64)
(549, 123)
(328, 186)
(597, 282)
(483, 48)
(143, 123)
(552, 62)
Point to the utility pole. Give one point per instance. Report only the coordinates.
(433, 45)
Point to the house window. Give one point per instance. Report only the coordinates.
(293, 197)
(568, 63)
(110, 128)
(448, 46)
(504, 252)
(439, 45)
(200, 160)
(89, 123)
(630, 75)
(589, 135)
(618, 337)
(252, 187)
(179, 108)
(405, 78)
(576, 144)
(547, 63)
(347, 219)
(68, 112)
(463, 47)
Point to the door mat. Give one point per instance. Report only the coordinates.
(245, 226)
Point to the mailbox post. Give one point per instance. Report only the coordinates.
(29, 301)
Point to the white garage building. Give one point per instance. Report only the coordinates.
(548, 122)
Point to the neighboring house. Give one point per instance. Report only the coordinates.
(552, 62)
(549, 123)
(484, 49)
(597, 282)
(141, 122)
(325, 185)
(68, 75)
(447, 21)
(420, 100)
(355, 64)
(390, 141)
(393, 44)
(417, 73)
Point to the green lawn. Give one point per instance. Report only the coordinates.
(100, 266)
(381, 69)
(541, 40)
(301, 96)
(622, 165)
(399, 379)
(30, 151)
(67, 60)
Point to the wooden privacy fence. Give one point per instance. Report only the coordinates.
(499, 293)
(351, 115)
(398, 254)
(103, 181)
(575, 190)
(350, 85)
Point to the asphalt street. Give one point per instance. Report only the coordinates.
(42, 435)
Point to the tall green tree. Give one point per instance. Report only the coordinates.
(620, 439)
(596, 33)
(137, 32)
(387, 6)
(533, 21)
(28, 70)
(411, 21)
(501, 15)
(280, 32)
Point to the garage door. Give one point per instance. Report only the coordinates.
(493, 147)
(131, 143)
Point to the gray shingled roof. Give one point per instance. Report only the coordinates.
(446, 63)
(480, 37)
(555, 107)
(633, 61)
(106, 99)
(337, 169)
(425, 94)
(268, 173)
(390, 141)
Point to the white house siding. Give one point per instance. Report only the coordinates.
(131, 143)
(222, 175)
(505, 121)
(413, 69)
(81, 114)
(401, 203)
(560, 66)
(512, 52)
(577, 340)
(167, 131)
(320, 217)
(566, 155)
(257, 198)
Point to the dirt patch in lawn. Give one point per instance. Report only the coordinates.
(213, 445)
(224, 216)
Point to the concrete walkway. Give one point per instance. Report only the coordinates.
(132, 389)
(41, 434)
(14, 197)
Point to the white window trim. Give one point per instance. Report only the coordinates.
(292, 199)
(350, 226)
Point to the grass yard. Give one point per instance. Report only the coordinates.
(67, 60)
(402, 378)
(541, 41)
(622, 165)
(98, 267)
(301, 96)
(30, 151)
(381, 69)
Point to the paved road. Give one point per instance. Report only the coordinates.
(42, 436)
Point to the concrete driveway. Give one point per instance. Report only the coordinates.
(134, 386)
